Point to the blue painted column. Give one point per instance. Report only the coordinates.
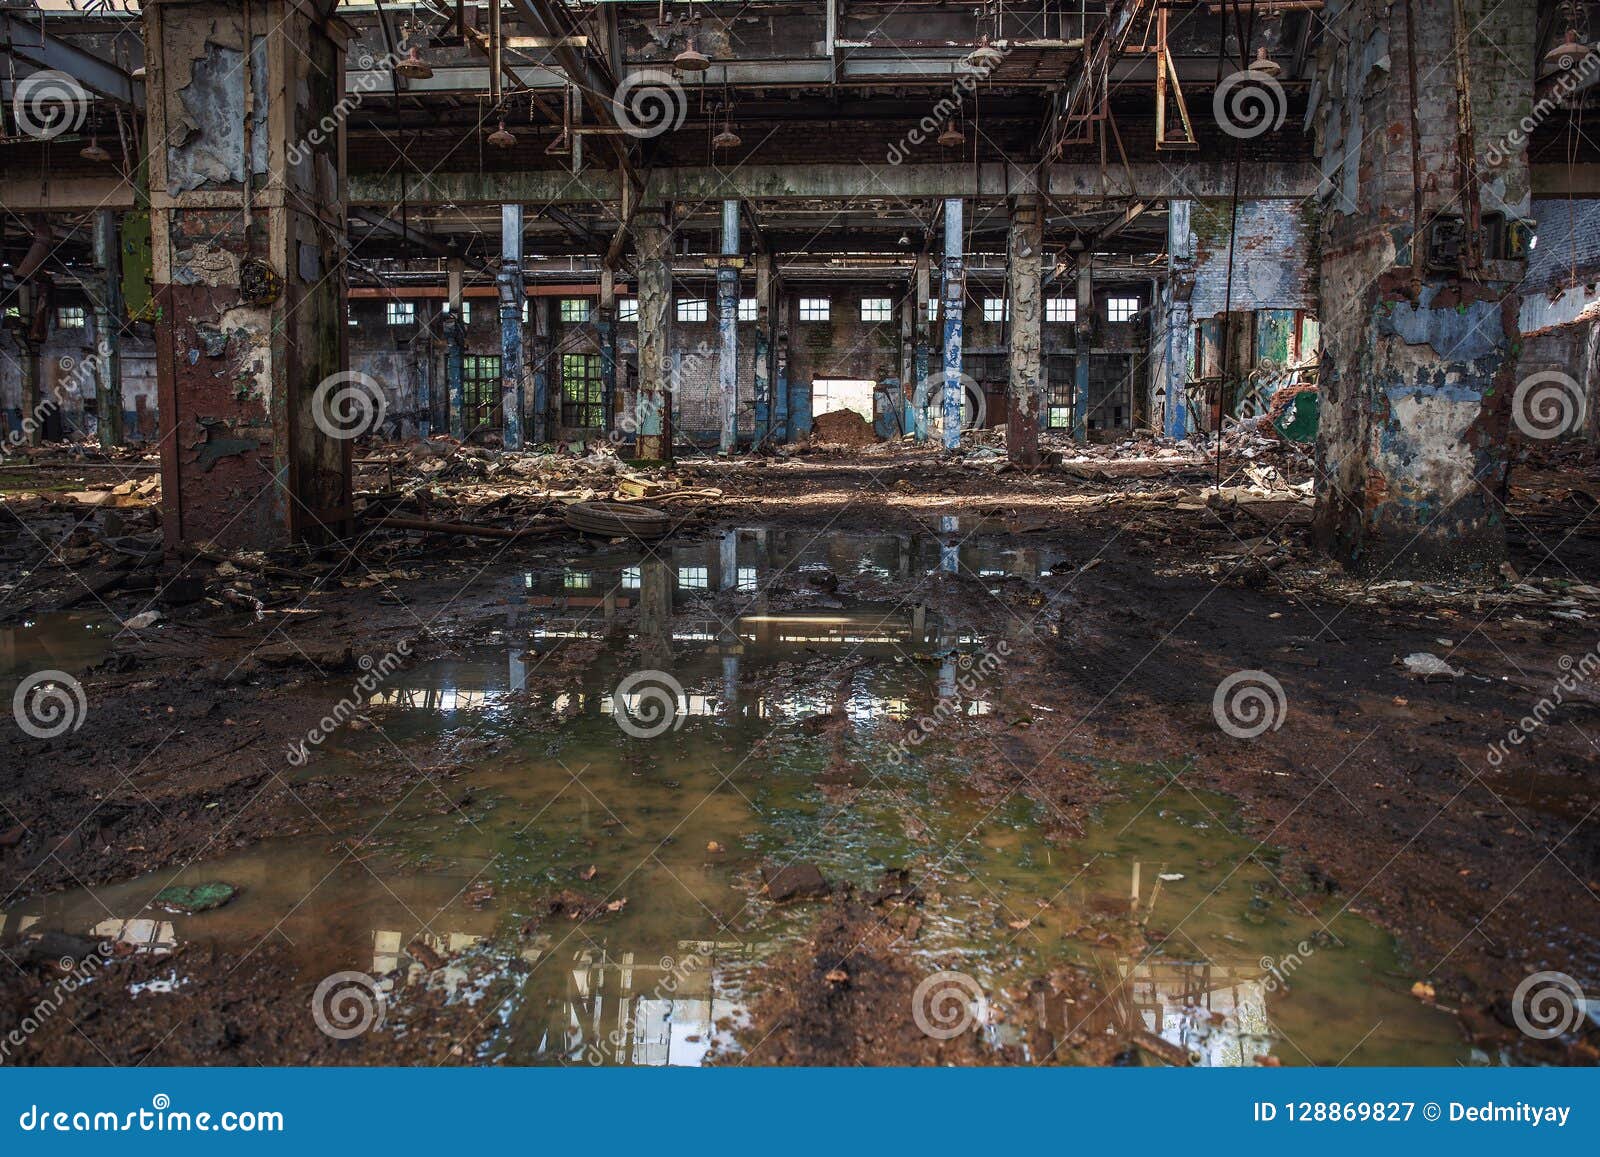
(512, 295)
(455, 338)
(606, 330)
(1179, 348)
(728, 327)
(953, 291)
(540, 313)
(1083, 342)
(763, 350)
(921, 353)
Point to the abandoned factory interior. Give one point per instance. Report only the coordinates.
(800, 532)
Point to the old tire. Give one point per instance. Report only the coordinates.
(616, 520)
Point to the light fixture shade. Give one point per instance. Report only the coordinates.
(93, 152)
(951, 136)
(502, 137)
(413, 67)
(1264, 64)
(986, 57)
(1570, 53)
(691, 59)
(726, 139)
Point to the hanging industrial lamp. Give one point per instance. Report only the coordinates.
(986, 57)
(502, 137)
(93, 152)
(1264, 65)
(1569, 54)
(413, 67)
(952, 135)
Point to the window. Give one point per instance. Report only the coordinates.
(933, 309)
(401, 312)
(1058, 417)
(1121, 308)
(747, 578)
(691, 309)
(524, 311)
(576, 580)
(69, 317)
(1061, 309)
(996, 309)
(480, 392)
(628, 309)
(747, 309)
(632, 576)
(466, 312)
(875, 309)
(574, 309)
(694, 578)
(582, 391)
(814, 309)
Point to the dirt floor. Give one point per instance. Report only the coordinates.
(1382, 788)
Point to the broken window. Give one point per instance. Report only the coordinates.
(814, 309)
(628, 309)
(1121, 308)
(582, 391)
(996, 309)
(691, 309)
(69, 317)
(401, 312)
(574, 309)
(875, 309)
(480, 392)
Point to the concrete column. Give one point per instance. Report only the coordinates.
(922, 390)
(728, 327)
(108, 328)
(247, 236)
(1083, 344)
(654, 412)
(455, 336)
(1419, 383)
(953, 291)
(763, 349)
(33, 407)
(782, 430)
(1178, 351)
(537, 369)
(606, 330)
(513, 293)
(1025, 293)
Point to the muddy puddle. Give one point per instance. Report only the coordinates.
(637, 739)
(60, 641)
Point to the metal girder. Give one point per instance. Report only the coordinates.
(30, 42)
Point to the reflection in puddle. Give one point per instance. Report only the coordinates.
(58, 642)
(793, 691)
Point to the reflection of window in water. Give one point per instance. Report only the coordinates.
(747, 578)
(143, 935)
(576, 580)
(694, 578)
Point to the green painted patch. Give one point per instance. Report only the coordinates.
(1298, 421)
(196, 897)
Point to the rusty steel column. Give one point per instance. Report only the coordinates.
(247, 203)
(1025, 292)
(654, 241)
